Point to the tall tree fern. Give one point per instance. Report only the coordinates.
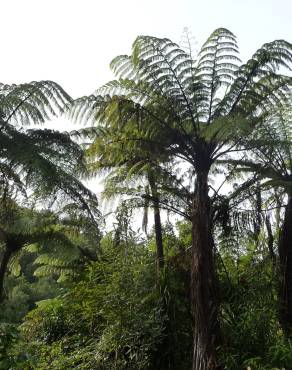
(196, 112)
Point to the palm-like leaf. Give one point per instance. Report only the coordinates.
(194, 108)
(46, 161)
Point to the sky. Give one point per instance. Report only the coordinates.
(72, 42)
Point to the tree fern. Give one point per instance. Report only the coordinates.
(195, 113)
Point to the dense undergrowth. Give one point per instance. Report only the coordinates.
(119, 314)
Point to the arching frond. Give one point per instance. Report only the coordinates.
(33, 102)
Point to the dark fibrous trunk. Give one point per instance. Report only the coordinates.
(258, 218)
(158, 234)
(270, 240)
(157, 224)
(7, 253)
(285, 266)
(203, 280)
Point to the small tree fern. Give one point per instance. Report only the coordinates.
(44, 162)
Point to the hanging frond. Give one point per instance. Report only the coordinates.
(31, 103)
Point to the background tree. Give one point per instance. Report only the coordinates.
(140, 174)
(271, 159)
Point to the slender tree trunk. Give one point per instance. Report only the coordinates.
(158, 234)
(157, 224)
(203, 280)
(285, 265)
(258, 220)
(3, 268)
(165, 355)
(270, 240)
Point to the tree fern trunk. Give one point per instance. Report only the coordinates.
(285, 254)
(158, 234)
(203, 280)
(3, 268)
(270, 240)
(157, 223)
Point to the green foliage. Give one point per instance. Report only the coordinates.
(181, 108)
(251, 332)
(114, 317)
(44, 161)
(23, 294)
(114, 313)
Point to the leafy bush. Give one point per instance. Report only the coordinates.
(112, 319)
(250, 328)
